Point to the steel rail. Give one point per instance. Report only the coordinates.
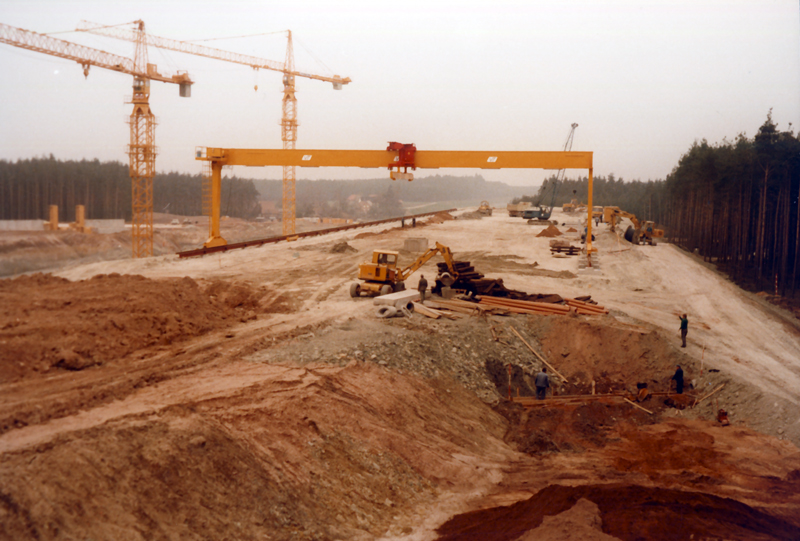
(271, 240)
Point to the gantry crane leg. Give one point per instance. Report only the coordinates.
(215, 238)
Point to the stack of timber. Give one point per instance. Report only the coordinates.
(473, 282)
(568, 400)
(464, 307)
(568, 250)
(585, 308)
(525, 307)
(532, 307)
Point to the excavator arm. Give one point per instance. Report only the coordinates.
(424, 258)
(614, 215)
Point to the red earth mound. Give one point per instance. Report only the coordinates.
(51, 323)
(629, 513)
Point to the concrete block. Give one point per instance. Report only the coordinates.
(415, 245)
(447, 292)
(398, 300)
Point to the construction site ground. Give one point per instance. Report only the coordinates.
(245, 395)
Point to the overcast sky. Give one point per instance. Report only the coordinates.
(643, 79)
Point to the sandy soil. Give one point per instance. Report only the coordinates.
(270, 404)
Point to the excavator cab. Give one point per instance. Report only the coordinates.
(381, 275)
(382, 268)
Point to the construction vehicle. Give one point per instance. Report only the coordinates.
(541, 213)
(515, 210)
(485, 208)
(639, 233)
(382, 276)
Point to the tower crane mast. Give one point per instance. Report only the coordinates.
(141, 148)
(289, 102)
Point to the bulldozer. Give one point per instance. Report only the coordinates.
(382, 275)
(639, 232)
(485, 208)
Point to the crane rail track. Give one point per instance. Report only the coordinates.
(271, 240)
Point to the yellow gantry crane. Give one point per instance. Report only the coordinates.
(289, 116)
(396, 156)
(141, 148)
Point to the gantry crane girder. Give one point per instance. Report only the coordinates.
(141, 148)
(423, 159)
(289, 103)
(389, 158)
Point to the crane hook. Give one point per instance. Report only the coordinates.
(85, 71)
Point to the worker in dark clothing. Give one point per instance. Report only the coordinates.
(678, 377)
(542, 383)
(422, 287)
(684, 328)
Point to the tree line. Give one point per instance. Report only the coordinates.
(737, 203)
(643, 199)
(28, 187)
(423, 189)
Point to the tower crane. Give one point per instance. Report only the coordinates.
(289, 109)
(141, 148)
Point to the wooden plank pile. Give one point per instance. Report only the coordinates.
(586, 308)
(567, 250)
(531, 307)
(524, 307)
(474, 283)
(494, 297)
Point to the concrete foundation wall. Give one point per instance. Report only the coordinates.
(22, 225)
(98, 226)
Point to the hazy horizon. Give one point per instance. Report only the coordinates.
(643, 80)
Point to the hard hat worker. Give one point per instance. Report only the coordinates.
(542, 383)
(422, 287)
(684, 328)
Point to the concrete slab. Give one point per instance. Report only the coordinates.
(415, 244)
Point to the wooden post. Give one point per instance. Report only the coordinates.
(539, 356)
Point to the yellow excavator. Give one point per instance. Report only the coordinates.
(382, 276)
(639, 233)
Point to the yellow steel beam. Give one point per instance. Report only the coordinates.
(424, 159)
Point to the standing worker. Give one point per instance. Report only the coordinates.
(678, 377)
(542, 383)
(422, 287)
(684, 328)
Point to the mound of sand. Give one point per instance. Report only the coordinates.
(551, 231)
(342, 248)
